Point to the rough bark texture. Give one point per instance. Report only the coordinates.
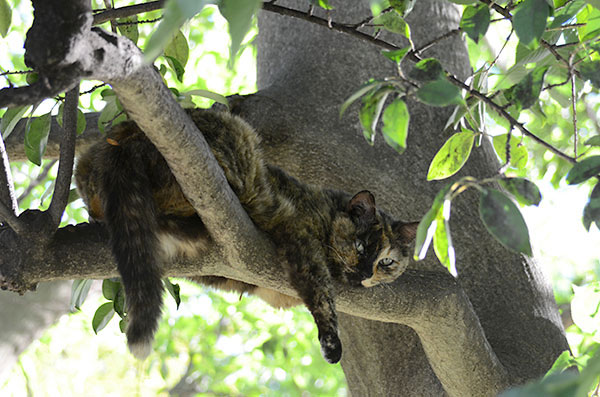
(425, 335)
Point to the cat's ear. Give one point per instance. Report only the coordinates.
(407, 231)
(361, 208)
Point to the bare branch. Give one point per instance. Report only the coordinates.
(124, 12)
(67, 155)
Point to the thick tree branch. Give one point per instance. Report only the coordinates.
(430, 302)
(124, 12)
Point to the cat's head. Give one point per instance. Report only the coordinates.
(368, 245)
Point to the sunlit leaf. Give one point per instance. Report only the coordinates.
(402, 7)
(439, 93)
(564, 361)
(178, 48)
(239, 15)
(584, 170)
(79, 291)
(593, 141)
(370, 112)
(442, 240)
(393, 22)
(395, 125)
(427, 225)
(10, 119)
(525, 191)
(529, 20)
(504, 221)
(5, 17)
(451, 156)
(176, 67)
(429, 69)
(102, 316)
(210, 95)
(518, 151)
(129, 28)
(396, 55)
(36, 138)
(475, 21)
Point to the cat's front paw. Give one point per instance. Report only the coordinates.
(331, 347)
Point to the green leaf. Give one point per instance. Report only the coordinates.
(322, 3)
(564, 361)
(123, 325)
(395, 125)
(593, 141)
(368, 86)
(427, 226)
(591, 211)
(463, 1)
(119, 303)
(442, 241)
(393, 22)
(176, 67)
(81, 121)
(594, 3)
(36, 138)
(526, 93)
(371, 110)
(79, 291)
(239, 15)
(525, 191)
(440, 93)
(396, 55)
(584, 170)
(475, 21)
(110, 288)
(518, 152)
(129, 28)
(451, 156)
(173, 290)
(504, 221)
(590, 71)
(10, 119)
(175, 14)
(210, 95)
(178, 48)
(428, 69)
(102, 316)
(529, 20)
(402, 7)
(5, 17)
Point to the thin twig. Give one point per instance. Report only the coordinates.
(62, 186)
(573, 105)
(368, 19)
(38, 180)
(124, 12)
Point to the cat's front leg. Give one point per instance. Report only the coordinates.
(310, 277)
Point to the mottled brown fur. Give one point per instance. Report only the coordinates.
(323, 234)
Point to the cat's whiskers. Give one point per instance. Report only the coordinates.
(340, 257)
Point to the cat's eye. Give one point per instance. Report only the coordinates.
(360, 247)
(385, 262)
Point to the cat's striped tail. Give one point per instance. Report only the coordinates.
(130, 215)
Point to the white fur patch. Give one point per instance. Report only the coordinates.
(140, 350)
(172, 246)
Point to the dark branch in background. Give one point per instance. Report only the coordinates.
(62, 186)
(37, 92)
(124, 12)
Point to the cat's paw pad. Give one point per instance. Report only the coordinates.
(331, 348)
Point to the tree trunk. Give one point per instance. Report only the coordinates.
(306, 72)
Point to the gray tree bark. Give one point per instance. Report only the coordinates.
(426, 334)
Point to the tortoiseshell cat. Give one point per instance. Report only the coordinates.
(322, 233)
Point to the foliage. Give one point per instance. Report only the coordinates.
(535, 98)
